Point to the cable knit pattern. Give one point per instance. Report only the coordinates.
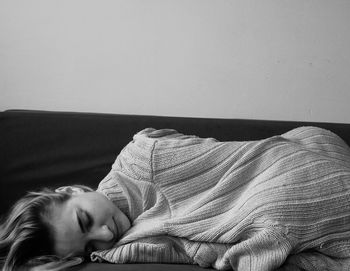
(281, 203)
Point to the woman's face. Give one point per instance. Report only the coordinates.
(88, 221)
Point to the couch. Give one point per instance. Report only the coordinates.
(51, 149)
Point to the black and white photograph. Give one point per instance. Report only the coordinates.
(177, 135)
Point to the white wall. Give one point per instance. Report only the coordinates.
(271, 59)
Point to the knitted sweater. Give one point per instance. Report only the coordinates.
(281, 203)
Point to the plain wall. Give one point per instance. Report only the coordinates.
(285, 60)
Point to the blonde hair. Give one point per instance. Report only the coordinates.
(26, 238)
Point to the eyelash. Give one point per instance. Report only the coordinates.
(85, 220)
(88, 221)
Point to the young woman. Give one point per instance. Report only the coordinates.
(281, 203)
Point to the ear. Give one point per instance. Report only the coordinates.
(73, 190)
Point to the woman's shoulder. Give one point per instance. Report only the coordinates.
(152, 133)
(169, 137)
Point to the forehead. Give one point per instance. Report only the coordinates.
(66, 231)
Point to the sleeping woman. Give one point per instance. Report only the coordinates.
(282, 203)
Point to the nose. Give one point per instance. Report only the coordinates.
(102, 234)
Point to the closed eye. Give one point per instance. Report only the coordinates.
(88, 220)
(80, 222)
(85, 220)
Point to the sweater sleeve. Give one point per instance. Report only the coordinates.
(185, 166)
(139, 158)
(156, 249)
(135, 159)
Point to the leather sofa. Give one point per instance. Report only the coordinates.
(51, 149)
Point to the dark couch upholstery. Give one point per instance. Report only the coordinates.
(50, 149)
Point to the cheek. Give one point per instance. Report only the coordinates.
(102, 209)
